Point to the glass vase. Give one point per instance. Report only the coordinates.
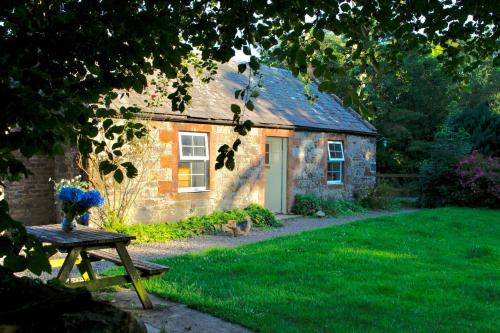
(68, 225)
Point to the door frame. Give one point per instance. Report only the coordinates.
(284, 173)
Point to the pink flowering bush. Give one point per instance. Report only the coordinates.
(479, 177)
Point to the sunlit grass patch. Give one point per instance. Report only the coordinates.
(432, 271)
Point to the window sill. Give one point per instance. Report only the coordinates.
(191, 190)
(334, 183)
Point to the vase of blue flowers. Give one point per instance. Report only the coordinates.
(75, 204)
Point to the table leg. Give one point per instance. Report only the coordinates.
(85, 267)
(68, 264)
(134, 275)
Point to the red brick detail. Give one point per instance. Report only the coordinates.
(167, 136)
(164, 187)
(165, 161)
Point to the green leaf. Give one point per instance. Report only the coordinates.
(246, 50)
(107, 123)
(230, 164)
(106, 167)
(84, 146)
(319, 34)
(242, 68)
(345, 7)
(248, 124)
(249, 105)
(118, 176)
(5, 245)
(15, 263)
(301, 57)
(38, 263)
(235, 109)
(325, 86)
(254, 63)
(236, 144)
(131, 170)
(347, 101)
(103, 113)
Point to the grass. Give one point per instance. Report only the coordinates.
(431, 271)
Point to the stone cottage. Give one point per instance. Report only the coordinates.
(295, 147)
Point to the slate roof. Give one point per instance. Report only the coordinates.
(281, 104)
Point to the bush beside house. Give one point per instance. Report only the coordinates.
(308, 205)
(195, 225)
(463, 168)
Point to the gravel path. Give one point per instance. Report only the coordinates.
(195, 244)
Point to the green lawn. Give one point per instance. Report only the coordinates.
(432, 271)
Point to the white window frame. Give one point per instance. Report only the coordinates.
(194, 158)
(338, 159)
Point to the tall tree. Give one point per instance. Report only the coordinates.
(411, 104)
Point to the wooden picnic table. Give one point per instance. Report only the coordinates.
(93, 244)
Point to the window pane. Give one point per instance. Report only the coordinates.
(184, 178)
(198, 167)
(335, 150)
(192, 174)
(185, 168)
(187, 140)
(199, 140)
(334, 176)
(187, 151)
(334, 172)
(198, 181)
(334, 166)
(200, 152)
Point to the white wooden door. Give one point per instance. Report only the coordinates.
(276, 170)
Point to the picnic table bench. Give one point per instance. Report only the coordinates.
(85, 245)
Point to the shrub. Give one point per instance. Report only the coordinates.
(340, 207)
(380, 196)
(439, 185)
(262, 216)
(194, 225)
(479, 177)
(306, 204)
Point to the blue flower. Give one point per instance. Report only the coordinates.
(84, 219)
(91, 199)
(70, 194)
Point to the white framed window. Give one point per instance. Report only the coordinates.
(334, 172)
(193, 162)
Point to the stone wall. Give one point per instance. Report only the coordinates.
(308, 155)
(156, 197)
(31, 200)
(159, 199)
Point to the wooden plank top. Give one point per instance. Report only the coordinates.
(81, 236)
